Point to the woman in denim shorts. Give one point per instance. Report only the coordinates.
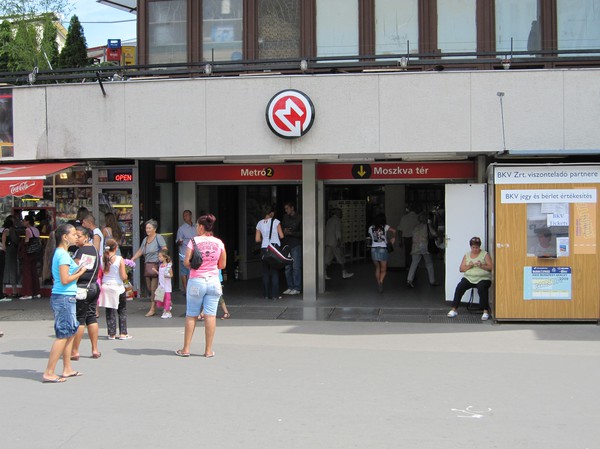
(65, 273)
(204, 287)
(381, 234)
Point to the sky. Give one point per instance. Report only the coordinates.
(96, 34)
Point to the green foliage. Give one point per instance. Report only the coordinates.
(23, 50)
(31, 8)
(74, 53)
(5, 41)
(49, 46)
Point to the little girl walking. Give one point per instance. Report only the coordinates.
(165, 273)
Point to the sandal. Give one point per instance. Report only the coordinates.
(201, 317)
(226, 316)
(180, 353)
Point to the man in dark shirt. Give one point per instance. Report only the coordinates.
(292, 230)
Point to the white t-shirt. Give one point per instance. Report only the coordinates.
(264, 226)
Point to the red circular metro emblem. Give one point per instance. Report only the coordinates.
(290, 114)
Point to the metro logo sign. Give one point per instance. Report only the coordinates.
(290, 114)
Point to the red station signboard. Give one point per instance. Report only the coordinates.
(247, 173)
(397, 171)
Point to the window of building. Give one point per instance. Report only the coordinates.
(278, 29)
(167, 31)
(457, 29)
(222, 26)
(517, 20)
(578, 24)
(337, 28)
(396, 27)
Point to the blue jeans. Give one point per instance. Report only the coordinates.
(293, 272)
(270, 277)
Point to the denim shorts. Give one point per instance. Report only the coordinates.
(379, 253)
(65, 320)
(203, 294)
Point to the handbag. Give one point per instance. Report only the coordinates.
(82, 292)
(275, 255)
(159, 294)
(148, 269)
(148, 266)
(196, 259)
(34, 246)
(390, 247)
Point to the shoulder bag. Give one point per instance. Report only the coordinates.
(148, 266)
(275, 255)
(196, 259)
(82, 292)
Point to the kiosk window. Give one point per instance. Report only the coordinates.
(547, 229)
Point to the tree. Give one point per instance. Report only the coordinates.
(23, 50)
(24, 20)
(28, 9)
(5, 41)
(49, 46)
(74, 53)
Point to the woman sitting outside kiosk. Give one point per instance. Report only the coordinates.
(477, 267)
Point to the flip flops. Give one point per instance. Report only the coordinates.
(58, 380)
(226, 316)
(75, 374)
(180, 353)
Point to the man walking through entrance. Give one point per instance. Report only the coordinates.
(292, 230)
(408, 222)
(185, 232)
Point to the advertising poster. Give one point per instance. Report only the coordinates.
(547, 283)
(6, 123)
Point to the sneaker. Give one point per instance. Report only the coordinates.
(111, 337)
(26, 297)
(6, 299)
(37, 296)
(288, 292)
(346, 275)
(485, 316)
(166, 315)
(295, 292)
(452, 314)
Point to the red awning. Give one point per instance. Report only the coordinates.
(27, 179)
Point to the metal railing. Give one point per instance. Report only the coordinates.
(317, 65)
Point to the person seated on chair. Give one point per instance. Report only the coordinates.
(477, 267)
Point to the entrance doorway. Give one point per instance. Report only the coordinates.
(360, 204)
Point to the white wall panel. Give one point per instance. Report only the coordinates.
(582, 118)
(83, 123)
(29, 124)
(166, 118)
(425, 112)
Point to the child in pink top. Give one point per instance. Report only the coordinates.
(165, 273)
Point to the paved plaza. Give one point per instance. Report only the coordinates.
(304, 384)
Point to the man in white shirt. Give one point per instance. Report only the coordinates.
(408, 222)
(185, 232)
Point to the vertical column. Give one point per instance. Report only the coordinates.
(309, 236)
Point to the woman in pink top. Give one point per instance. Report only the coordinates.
(204, 287)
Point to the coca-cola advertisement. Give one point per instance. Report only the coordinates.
(21, 188)
(6, 123)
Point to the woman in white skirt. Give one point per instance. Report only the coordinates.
(112, 294)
